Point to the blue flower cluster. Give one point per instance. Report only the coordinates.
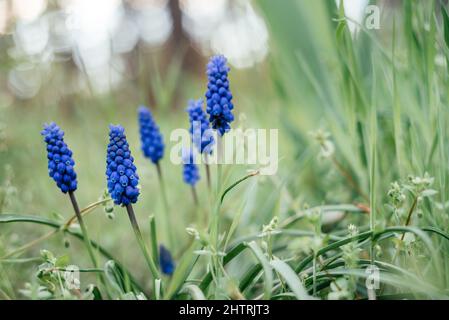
(152, 142)
(166, 261)
(218, 95)
(199, 124)
(190, 170)
(60, 162)
(121, 171)
(122, 179)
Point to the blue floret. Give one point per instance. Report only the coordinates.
(60, 162)
(121, 173)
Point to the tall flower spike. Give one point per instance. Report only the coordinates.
(121, 171)
(166, 261)
(60, 162)
(199, 124)
(150, 136)
(190, 170)
(218, 95)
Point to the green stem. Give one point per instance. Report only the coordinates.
(216, 213)
(208, 175)
(407, 222)
(82, 270)
(219, 166)
(210, 192)
(143, 248)
(314, 273)
(219, 177)
(154, 244)
(83, 228)
(195, 197)
(167, 216)
(410, 212)
(86, 238)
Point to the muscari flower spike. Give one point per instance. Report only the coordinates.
(121, 172)
(150, 136)
(60, 162)
(199, 124)
(166, 261)
(190, 171)
(218, 95)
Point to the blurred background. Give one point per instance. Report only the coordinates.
(85, 64)
(110, 45)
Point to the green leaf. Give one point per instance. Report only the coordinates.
(194, 291)
(12, 218)
(333, 246)
(445, 25)
(232, 186)
(153, 240)
(234, 252)
(8, 218)
(386, 278)
(96, 293)
(436, 231)
(429, 192)
(182, 271)
(115, 277)
(268, 272)
(291, 278)
(62, 261)
(250, 275)
(234, 224)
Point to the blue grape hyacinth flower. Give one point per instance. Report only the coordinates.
(190, 170)
(150, 136)
(121, 172)
(60, 162)
(218, 95)
(166, 261)
(199, 126)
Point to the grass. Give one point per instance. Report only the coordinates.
(376, 106)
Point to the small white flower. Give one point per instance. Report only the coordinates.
(327, 149)
(193, 232)
(353, 230)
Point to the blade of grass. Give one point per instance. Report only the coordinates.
(182, 271)
(268, 273)
(153, 239)
(291, 278)
(232, 186)
(194, 291)
(11, 218)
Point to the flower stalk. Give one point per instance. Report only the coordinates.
(206, 165)
(167, 216)
(149, 260)
(86, 237)
(219, 106)
(195, 196)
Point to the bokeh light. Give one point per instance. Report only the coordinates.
(249, 42)
(28, 10)
(211, 24)
(101, 37)
(355, 11)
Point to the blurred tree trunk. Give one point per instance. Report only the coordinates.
(192, 60)
(178, 47)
